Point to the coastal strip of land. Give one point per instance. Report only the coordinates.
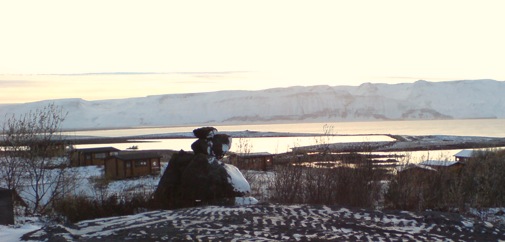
(397, 143)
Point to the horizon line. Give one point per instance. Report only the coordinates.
(129, 73)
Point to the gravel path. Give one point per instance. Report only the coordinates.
(276, 223)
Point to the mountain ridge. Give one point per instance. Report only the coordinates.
(463, 99)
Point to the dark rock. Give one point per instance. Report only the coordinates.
(200, 178)
(221, 144)
(168, 192)
(216, 146)
(206, 181)
(192, 178)
(204, 132)
(276, 223)
(202, 146)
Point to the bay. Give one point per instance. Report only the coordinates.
(360, 131)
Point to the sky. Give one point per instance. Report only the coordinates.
(70, 49)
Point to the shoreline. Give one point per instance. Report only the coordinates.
(410, 143)
(399, 142)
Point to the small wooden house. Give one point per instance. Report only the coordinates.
(51, 148)
(8, 199)
(443, 164)
(128, 164)
(6, 207)
(464, 155)
(261, 161)
(414, 169)
(92, 156)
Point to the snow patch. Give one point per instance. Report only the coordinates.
(14, 233)
(236, 179)
(241, 201)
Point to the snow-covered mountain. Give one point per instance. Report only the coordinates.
(419, 100)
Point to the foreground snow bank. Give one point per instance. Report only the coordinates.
(241, 201)
(279, 223)
(490, 215)
(14, 233)
(237, 180)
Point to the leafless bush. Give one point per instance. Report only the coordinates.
(76, 208)
(261, 182)
(351, 183)
(483, 180)
(102, 201)
(287, 184)
(347, 186)
(412, 189)
(100, 189)
(478, 183)
(31, 143)
(244, 146)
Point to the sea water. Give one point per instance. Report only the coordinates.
(359, 131)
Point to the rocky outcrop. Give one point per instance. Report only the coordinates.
(281, 223)
(200, 177)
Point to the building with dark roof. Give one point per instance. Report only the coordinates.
(6, 207)
(464, 155)
(260, 161)
(8, 200)
(444, 165)
(92, 156)
(129, 164)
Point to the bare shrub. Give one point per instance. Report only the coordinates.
(410, 189)
(478, 184)
(77, 208)
(354, 182)
(100, 190)
(347, 186)
(32, 143)
(261, 182)
(244, 146)
(288, 184)
(11, 169)
(483, 179)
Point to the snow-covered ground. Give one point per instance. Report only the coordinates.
(277, 223)
(85, 180)
(23, 225)
(14, 233)
(269, 222)
(273, 222)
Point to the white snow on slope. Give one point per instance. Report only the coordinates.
(237, 179)
(13, 233)
(419, 100)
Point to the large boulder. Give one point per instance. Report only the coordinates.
(200, 177)
(168, 192)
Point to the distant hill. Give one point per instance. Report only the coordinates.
(420, 100)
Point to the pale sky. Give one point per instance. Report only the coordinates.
(196, 46)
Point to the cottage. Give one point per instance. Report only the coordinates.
(261, 161)
(464, 155)
(414, 168)
(128, 164)
(443, 164)
(6, 207)
(92, 156)
(51, 148)
(8, 199)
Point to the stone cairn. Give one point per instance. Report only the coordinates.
(191, 179)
